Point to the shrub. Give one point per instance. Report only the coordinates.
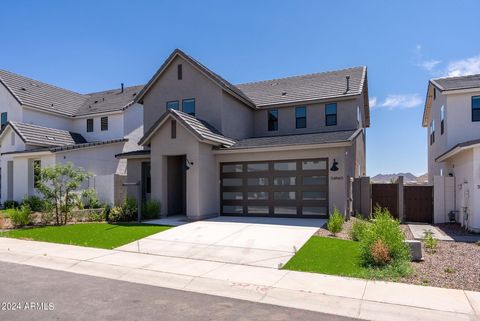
(10, 204)
(335, 222)
(90, 198)
(388, 230)
(430, 242)
(125, 212)
(96, 216)
(36, 203)
(151, 209)
(21, 216)
(380, 253)
(358, 229)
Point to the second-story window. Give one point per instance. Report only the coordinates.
(4, 120)
(89, 125)
(273, 120)
(104, 123)
(442, 120)
(179, 72)
(172, 104)
(331, 114)
(432, 132)
(301, 117)
(434, 93)
(188, 106)
(173, 127)
(476, 108)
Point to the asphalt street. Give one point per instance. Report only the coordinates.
(31, 293)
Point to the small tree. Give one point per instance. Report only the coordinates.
(58, 184)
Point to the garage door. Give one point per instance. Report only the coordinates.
(275, 188)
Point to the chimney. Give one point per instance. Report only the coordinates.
(348, 84)
(122, 88)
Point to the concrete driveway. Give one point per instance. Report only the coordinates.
(265, 242)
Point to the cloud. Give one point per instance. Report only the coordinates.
(426, 64)
(372, 102)
(429, 65)
(468, 66)
(399, 101)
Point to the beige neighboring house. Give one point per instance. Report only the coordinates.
(452, 116)
(281, 147)
(44, 125)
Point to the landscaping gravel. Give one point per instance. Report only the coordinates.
(454, 265)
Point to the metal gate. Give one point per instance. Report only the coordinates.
(418, 202)
(386, 195)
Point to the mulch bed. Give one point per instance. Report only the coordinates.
(454, 265)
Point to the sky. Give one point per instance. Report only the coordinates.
(89, 46)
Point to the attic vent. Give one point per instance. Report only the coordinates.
(96, 101)
(348, 84)
(23, 89)
(50, 138)
(134, 94)
(284, 93)
(52, 105)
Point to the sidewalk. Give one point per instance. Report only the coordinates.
(350, 297)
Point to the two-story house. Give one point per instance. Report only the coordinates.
(281, 147)
(44, 125)
(452, 116)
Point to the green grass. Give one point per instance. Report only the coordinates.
(340, 257)
(6, 213)
(100, 235)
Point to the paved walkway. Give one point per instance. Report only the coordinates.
(315, 292)
(418, 231)
(265, 242)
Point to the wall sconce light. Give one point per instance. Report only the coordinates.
(188, 164)
(334, 167)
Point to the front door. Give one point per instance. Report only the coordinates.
(176, 185)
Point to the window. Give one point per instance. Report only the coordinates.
(37, 166)
(104, 123)
(257, 167)
(442, 120)
(272, 120)
(232, 168)
(314, 165)
(173, 127)
(284, 181)
(257, 181)
(12, 139)
(434, 93)
(232, 196)
(476, 108)
(179, 72)
(172, 104)
(89, 125)
(301, 117)
(4, 120)
(432, 132)
(331, 114)
(285, 166)
(188, 106)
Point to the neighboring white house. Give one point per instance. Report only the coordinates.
(44, 124)
(452, 115)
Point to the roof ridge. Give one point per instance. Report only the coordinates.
(303, 75)
(455, 77)
(105, 91)
(40, 82)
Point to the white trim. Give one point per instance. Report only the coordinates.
(454, 152)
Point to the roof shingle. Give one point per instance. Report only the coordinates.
(300, 139)
(456, 83)
(44, 136)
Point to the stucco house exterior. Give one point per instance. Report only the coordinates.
(44, 125)
(281, 147)
(452, 116)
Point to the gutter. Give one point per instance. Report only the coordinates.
(282, 148)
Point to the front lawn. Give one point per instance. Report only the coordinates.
(338, 257)
(100, 235)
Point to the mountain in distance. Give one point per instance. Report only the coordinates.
(407, 178)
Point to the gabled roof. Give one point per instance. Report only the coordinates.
(318, 86)
(445, 85)
(224, 84)
(457, 83)
(458, 148)
(201, 129)
(44, 136)
(298, 139)
(42, 96)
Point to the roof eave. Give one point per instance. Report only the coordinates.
(345, 143)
